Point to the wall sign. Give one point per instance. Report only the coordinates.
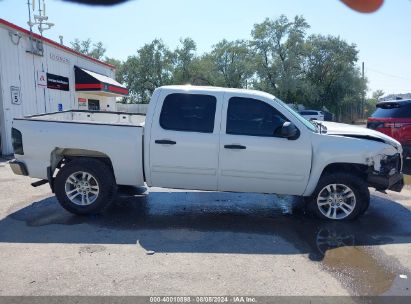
(15, 95)
(59, 58)
(42, 79)
(82, 103)
(57, 82)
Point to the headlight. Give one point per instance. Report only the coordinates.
(391, 164)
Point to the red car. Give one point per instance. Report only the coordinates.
(393, 118)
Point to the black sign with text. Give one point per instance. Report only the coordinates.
(57, 82)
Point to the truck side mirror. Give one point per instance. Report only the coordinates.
(289, 130)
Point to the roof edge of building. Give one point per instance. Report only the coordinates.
(52, 42)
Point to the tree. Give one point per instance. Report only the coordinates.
(378, 94)
(279, 55)
(231, 63)
(204, 72)
(118, 64)
(183, 58)
(86, 47)
(150, 68)
(370, 103)
(316, 71)
(332, 78)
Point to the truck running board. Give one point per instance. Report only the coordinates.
(40, 182)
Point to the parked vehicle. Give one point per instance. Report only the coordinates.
(328, 116)
(312, 115)
(207, 138)
(393, 118)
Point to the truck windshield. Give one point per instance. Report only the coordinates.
(297, 115)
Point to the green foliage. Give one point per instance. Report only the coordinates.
(279, 54)
(316, 71)
(370, 103)
(231, 63)
(378, 94)
(332, 78)
(183, 61)
(118, 64)
(150, 68)
(95, 50)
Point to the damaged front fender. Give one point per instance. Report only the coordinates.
(377, 161)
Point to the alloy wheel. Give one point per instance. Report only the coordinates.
(336, 201)
(82, 188)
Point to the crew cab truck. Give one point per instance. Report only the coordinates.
(206, 138)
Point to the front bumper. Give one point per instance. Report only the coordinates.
(389, 177)
(18, 167)
(394, 182)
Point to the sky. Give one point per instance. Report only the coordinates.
(382, 38)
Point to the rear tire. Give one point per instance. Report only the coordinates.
(339, 197)
(85, 186)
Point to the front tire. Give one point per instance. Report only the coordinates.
(339, 196)
(85, 186)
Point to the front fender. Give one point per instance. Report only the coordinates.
(332, 149)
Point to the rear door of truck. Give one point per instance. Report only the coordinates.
(184, 140)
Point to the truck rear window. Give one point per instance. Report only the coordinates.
(401, 111)
(188, 112)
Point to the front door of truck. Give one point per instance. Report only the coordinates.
(253, 157)
(184, 141)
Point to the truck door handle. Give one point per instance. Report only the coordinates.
(237, 147)
(164, 142)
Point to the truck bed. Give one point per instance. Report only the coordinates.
(93, 117)
(117, 136)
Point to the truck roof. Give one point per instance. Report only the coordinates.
(193, 88)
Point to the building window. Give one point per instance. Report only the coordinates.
(94, 105)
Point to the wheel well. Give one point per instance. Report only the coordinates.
(60, 157)
(357, 169)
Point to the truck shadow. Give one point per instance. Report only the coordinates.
(209, 222)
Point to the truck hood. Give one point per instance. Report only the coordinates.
(334, 128)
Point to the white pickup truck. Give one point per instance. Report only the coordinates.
(207, 138)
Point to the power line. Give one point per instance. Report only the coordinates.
(388, 75)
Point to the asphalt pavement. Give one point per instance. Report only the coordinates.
(166, 242)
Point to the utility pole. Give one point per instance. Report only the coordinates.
(363, 93)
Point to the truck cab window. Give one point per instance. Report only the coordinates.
(188, 112)
(248, 116)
